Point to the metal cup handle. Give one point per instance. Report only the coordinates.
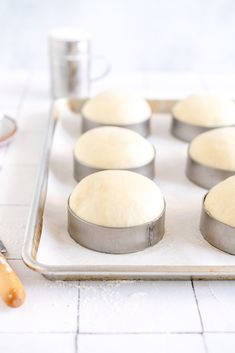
(106, 69)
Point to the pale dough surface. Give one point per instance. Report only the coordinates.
(215, 148)
(114, 107)
(117, 198)
(205, 110)
(220, 201)
(113, 148)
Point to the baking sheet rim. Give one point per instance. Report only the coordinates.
(34, 227)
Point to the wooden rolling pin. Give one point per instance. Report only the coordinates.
(11, 288)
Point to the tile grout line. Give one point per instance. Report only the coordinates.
(197, 304)
(37, 332)
(78, 318)
(200, 317)
(109, 333)
(139, 333)
(118, 333)
(17, 113)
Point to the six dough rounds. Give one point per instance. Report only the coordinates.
(112, 147)
(122, 198)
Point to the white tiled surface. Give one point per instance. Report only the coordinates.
(45, 309)
(216, 301)
(38, 343)
(149, 307)
(12, 227)
(18, 181)
(33, 115)
(26, 149)
(135, 316)
(223, 342)
(150, 343)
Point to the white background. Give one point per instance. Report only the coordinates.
(192, 35)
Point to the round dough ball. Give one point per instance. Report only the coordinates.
(220, 201)
(117, 198)
(205, 110)
(113, 148)
(120, 108)
(215, 148)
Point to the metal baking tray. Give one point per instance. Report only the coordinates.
(98, 271)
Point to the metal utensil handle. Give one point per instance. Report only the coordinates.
(11, 288)
(106, 70)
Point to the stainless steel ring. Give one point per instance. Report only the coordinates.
(185, 131)
(217, 233)
(143, 128)
(114, 240)
(81, 170)
(204, 176)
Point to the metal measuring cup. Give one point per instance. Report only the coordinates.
(70, 63)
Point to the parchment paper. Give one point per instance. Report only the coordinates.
(182, 244)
